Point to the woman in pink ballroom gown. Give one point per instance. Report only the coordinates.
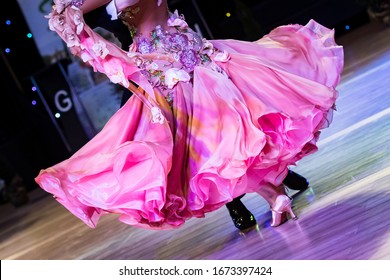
(208, 120)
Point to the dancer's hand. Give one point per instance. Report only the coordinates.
(60, 5)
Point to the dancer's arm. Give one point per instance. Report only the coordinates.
(90, 5)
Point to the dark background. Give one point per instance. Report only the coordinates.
(28, 138)
(252, 18)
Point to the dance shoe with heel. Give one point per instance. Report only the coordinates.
(280, 208)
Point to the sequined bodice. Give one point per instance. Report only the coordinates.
(184, 46)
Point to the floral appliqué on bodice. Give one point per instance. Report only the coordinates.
(184, 48)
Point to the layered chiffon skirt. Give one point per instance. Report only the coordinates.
(225, 134)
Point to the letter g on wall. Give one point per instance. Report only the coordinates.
(62, 101)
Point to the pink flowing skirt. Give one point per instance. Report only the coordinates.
(226, 134)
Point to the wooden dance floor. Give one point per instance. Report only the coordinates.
(344, 215)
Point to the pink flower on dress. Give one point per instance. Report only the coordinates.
(77, 19)
(115, 73)
(85, 56)
(174, 75)
(177, 21)
(71, 39)
(56, 22)
(157, 115)
(100, 49)
(222, 56)
(208, 48)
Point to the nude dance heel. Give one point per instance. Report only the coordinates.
(280, 208)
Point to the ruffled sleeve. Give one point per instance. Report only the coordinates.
(104, 56)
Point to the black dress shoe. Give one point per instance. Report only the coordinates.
(242, 218)
(295, 181)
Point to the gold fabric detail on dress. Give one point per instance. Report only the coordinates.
(127, 15)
